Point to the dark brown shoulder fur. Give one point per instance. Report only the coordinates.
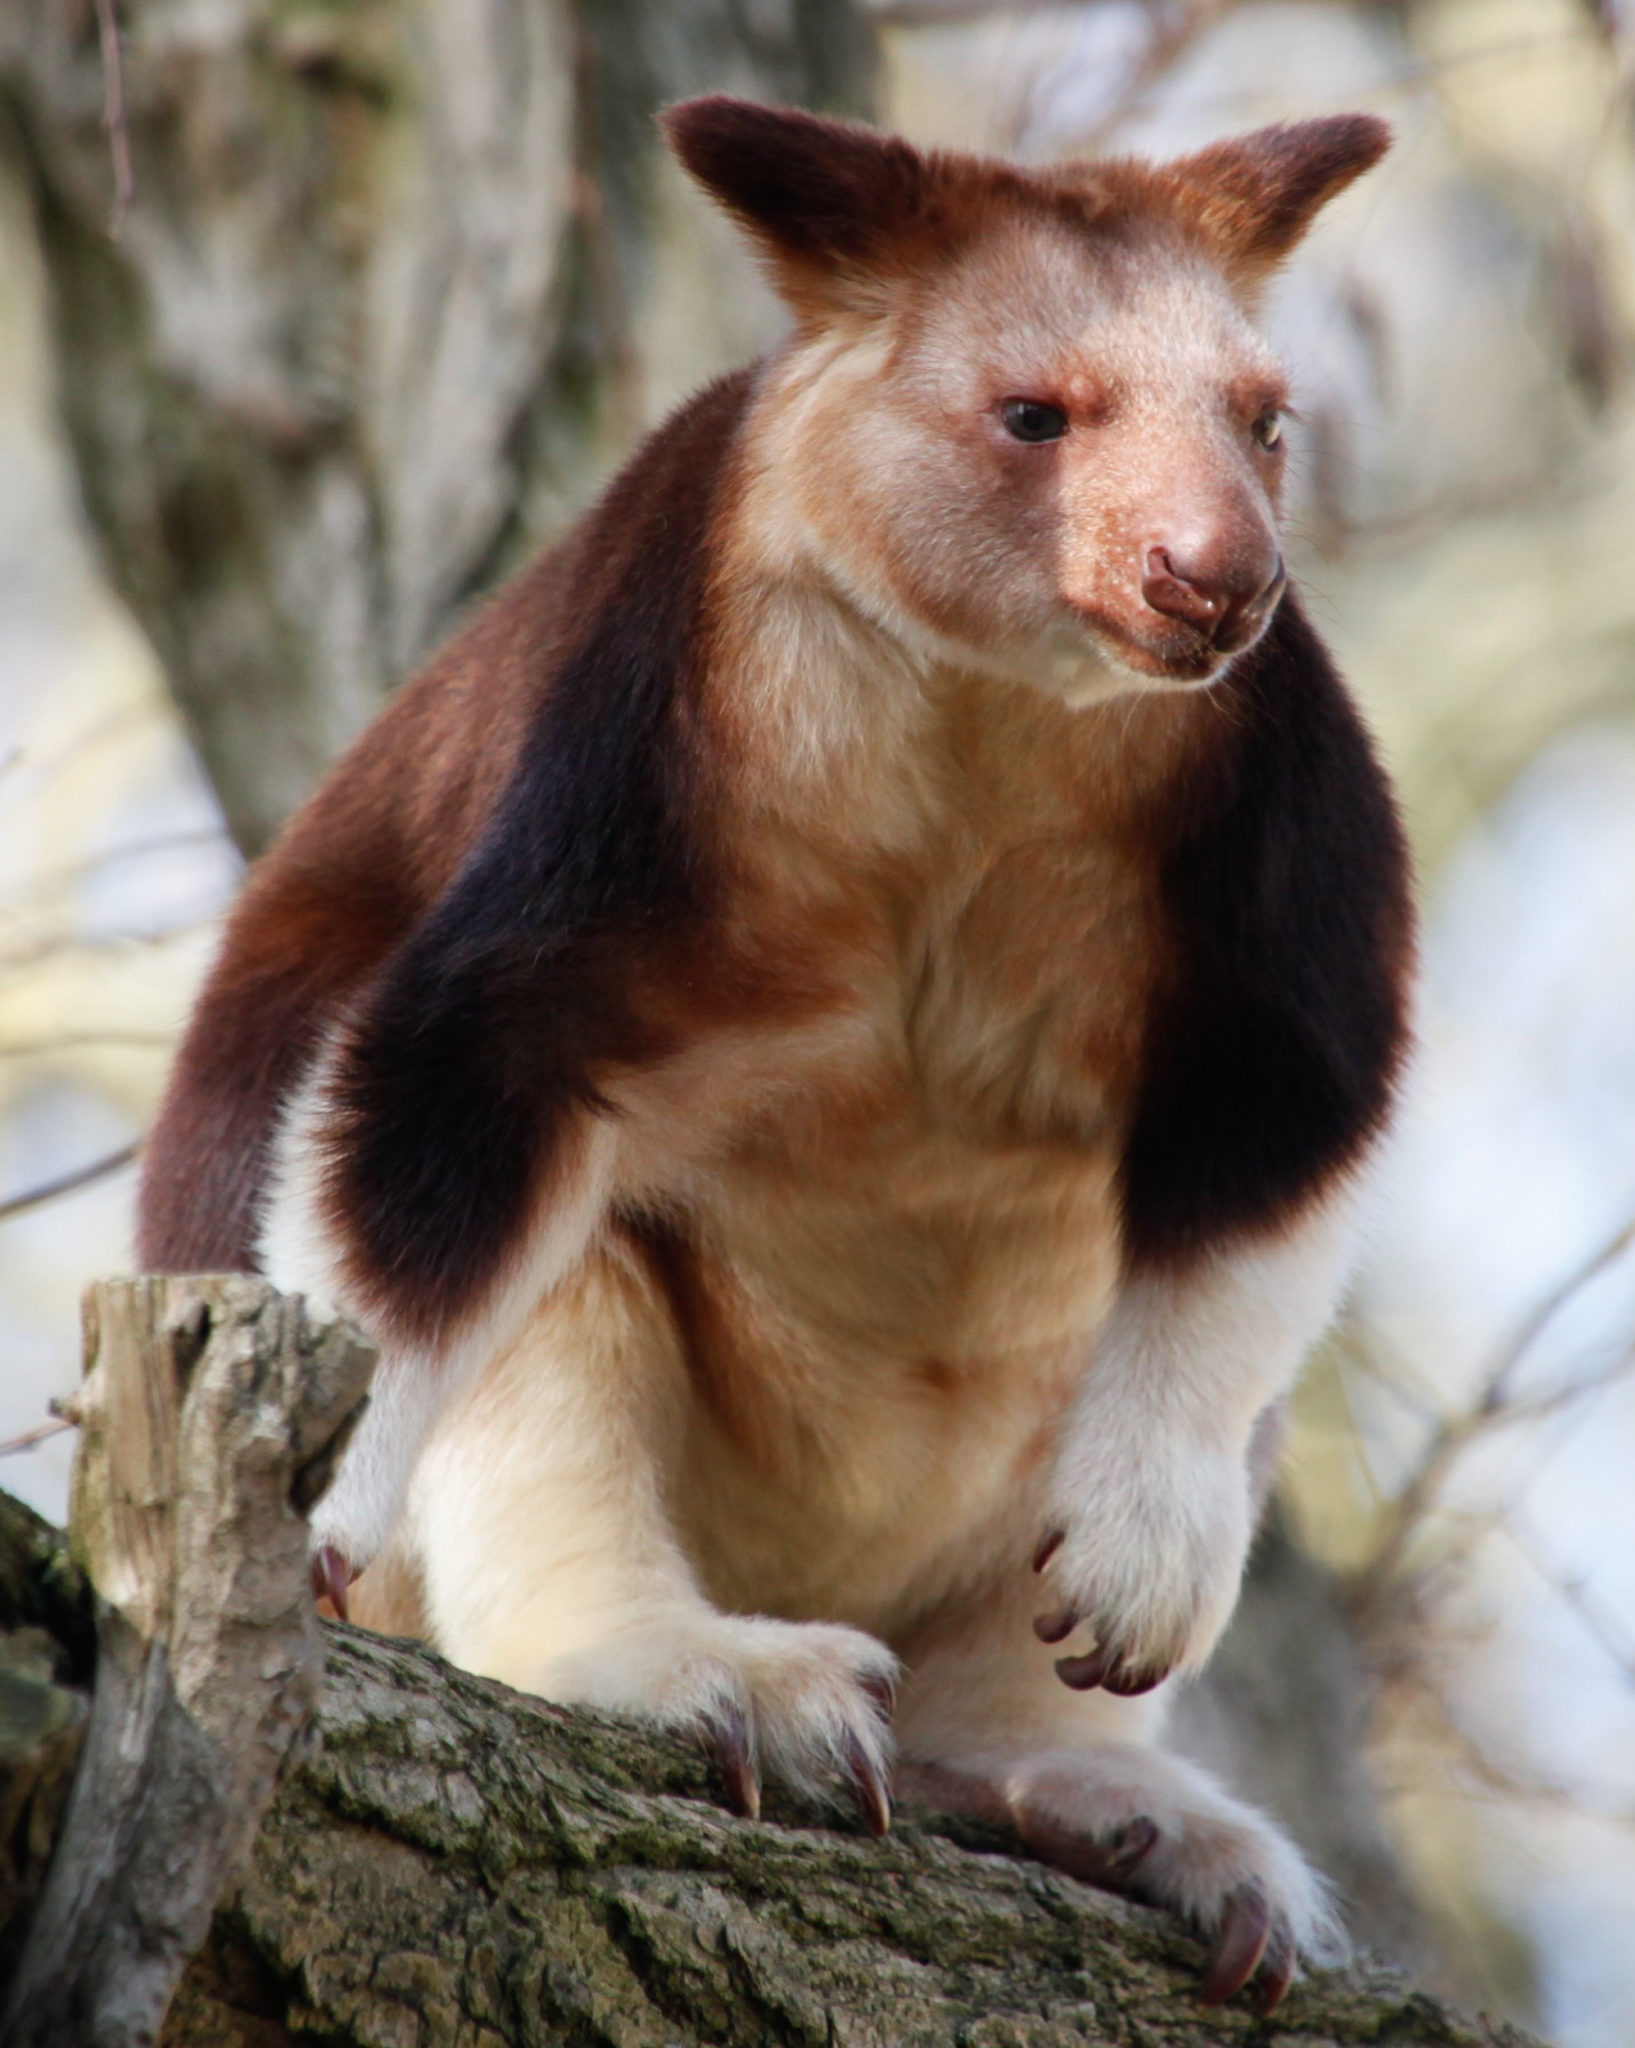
(477, 847)
(542, 966)
(1274, 1046)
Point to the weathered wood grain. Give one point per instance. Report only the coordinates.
(210, 1416)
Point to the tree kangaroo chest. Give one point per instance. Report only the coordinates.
(918, 1239)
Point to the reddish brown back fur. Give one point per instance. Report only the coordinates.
(336, 894)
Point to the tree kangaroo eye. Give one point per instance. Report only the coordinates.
(1268, 429)
(1030, 419)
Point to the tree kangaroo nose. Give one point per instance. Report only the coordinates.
(1228, 600)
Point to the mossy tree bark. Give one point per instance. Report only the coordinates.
(450, 1865)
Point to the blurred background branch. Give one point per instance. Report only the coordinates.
(67, 1183)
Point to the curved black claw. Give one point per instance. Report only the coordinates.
(873, 1800)
(331, 1578)
(1057, 1627)
(1133, 1842)
(1049, 1544)
(883, 1692)
(1276, 1972)
(1246, 1926)
(1129, 1684)
(729, 1744)
(1085, 1673)
(1112, 1865)
(1101, 1666)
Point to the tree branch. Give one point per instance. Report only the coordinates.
(68, 1183)
(113, 116)
(210, 1418)
(31, 1437)
(1495, 1406)
(448, 1862)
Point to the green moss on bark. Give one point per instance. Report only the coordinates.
(460, 1865)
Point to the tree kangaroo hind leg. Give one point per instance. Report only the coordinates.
(539, 1521)
(985, 1727)
(416, 1378)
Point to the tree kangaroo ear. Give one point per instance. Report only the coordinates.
(1254, 196)
(832, 205)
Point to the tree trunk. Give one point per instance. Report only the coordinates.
(211, 1417)
(397, 283)
(448, 1862)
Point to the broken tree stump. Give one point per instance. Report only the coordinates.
(210, 1418)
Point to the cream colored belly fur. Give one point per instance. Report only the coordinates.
(909, 1228)
(909, 1352)
(601, 1522)
(893, 1345)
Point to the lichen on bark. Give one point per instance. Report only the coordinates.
(449, 1864)
(460, 1865)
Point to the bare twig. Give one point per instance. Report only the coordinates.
(84, 1041)
(49, 880)
(31, 1437)
(1174, 30)
(1604, 1627)
(59, 943)
(1510, 1779)
(1494, 1406)
(113, 116)
(1503, 1781)
(1539, 1407)
(1395, 1376)
(1496, 1390)
(98, 732)
(66, 1184)
(940, 13)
